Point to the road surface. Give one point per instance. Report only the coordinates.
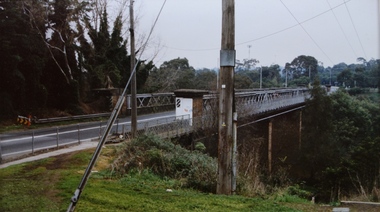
(20, 143)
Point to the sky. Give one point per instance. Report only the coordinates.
(271, 31)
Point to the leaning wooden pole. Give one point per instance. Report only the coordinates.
(226, 99)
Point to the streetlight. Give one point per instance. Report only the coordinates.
(249, 51)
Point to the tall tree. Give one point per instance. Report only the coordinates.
(302, 66)
(317, 146)
(172, 75)
(271, 76)
(345, 78)
(22, 61)
(62, 73)
(205, 79)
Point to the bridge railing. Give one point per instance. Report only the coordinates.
(256, 102)
(269, 101)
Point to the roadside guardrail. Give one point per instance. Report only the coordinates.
(69, 118)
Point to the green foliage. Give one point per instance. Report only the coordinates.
(296, 190)
(316, 137)
(250, 78)
(205, 79)
(344, 131)
(172, 75)
(345, 78)
(302, 66)
(22, 61)
(169, 160)
(199, 146)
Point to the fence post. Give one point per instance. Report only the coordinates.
(33, 142)
(100, 129)
(78, 133)
(57, 137)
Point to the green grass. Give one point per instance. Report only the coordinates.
(47, 185)
(147, 192)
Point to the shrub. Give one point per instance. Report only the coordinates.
(166, 159)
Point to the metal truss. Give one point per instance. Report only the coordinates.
(152, 100)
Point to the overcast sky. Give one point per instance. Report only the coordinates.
(271, 31)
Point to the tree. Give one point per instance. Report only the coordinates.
(22, 62)
(356, 138)
(62, 74)
(205, 79)
(317, 145)
(302, 66)
(271, 76)
(246, 64)
(172, 75)
(345, 78)
(243, 80)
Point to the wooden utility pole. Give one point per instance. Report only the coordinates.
(133, 74)
(300, 131)
(270, 147)
(226, 100)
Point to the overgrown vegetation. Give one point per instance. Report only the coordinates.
(340, 148)
(195, 169)
(47, 185)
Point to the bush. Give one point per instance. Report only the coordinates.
(165, 159)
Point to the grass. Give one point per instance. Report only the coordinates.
(48, 184)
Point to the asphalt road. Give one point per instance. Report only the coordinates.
(16, 144)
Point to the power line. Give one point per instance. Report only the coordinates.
(282, 30)
(357, 35)
(307, 32)
(262, 37)
(341, 28)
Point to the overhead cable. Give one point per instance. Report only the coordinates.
(341, 29)
(262, 37)
(299, 23)
(356, 31)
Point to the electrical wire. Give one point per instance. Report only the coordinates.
(307, 32)
(341, 29)
(282, 30)
(264, 36)
(356, 31)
